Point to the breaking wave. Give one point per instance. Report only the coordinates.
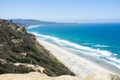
(102, 54)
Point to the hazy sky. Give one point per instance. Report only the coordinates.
(61, 10)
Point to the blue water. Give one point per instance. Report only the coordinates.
(100, 40)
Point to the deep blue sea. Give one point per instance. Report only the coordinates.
(97, 39)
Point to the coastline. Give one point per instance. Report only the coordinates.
(81, 65)
(34, 26)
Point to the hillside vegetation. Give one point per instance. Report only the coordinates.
(18, 46)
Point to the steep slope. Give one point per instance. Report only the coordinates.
(18, 46)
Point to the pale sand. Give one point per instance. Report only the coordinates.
(78, 65)
(39, 76)
(35, 76)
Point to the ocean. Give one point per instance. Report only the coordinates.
(101, 40)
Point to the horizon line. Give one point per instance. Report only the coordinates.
(65, 21)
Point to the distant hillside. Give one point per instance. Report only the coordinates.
(29, 22)
(21, 53)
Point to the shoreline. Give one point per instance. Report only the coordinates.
(82, 65)
(101, 63)
(34, 26)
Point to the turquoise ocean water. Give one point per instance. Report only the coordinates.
(99, 40)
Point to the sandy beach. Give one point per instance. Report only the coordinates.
(80, 65)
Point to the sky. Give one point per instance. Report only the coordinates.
(62, 10)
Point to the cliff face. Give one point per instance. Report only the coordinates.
(18, 46)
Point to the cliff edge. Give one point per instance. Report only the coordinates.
(39, 76)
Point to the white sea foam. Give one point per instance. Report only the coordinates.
(87, 43)
(34, 26)
(103, 54)
(98, 45)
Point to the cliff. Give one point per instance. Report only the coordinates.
(20, 52)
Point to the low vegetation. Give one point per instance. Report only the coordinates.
(18, 46)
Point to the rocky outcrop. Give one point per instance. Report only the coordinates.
(37, 68)
(18, 46)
